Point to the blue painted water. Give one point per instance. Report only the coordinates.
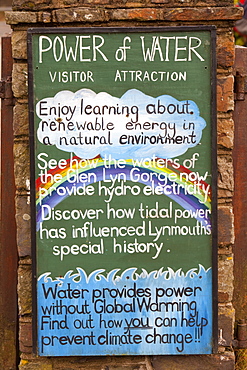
(129, 312)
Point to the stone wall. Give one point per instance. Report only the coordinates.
(89, 13)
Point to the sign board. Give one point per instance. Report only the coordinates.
(123, 174)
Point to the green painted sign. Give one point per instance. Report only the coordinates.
(122, 140)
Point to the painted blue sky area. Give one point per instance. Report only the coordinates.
(161, 312)
(133, 126)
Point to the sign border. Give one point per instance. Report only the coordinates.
(71, 30)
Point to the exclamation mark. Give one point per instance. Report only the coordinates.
(197, 334)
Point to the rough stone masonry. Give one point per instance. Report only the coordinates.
(127, 13)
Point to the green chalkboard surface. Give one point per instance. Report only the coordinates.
(123, 189)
